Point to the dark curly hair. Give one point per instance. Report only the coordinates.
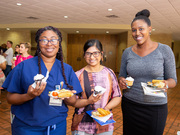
(143, 15)
(59, 55)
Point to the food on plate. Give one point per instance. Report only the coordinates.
(54, 93)
(96, 113)
(101, 112)
(61, 93)
(65, 93)
(156, 83)
(129, 81)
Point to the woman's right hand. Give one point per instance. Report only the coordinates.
(34, 92)
(18, 99)
(122, 82)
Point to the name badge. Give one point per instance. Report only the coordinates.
(55, 102)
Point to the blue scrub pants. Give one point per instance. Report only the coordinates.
(20, 128)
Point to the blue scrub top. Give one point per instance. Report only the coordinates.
(38, 112)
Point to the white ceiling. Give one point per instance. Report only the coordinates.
(89, 16)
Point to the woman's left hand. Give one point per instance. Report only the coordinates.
(93, 99)
(166, 85)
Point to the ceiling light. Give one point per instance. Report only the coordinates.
(107, 32)
(109, 9)
(65, 16)
(19, 4)
(77, 31)
(7, 28)
(153, 29)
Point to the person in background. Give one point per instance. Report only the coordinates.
(95, 74)
(145, 61)
(2, 76)
(16, 50)
(33, 111)
(8, 54)
(3, 48)
(24, 55)
(2, 67)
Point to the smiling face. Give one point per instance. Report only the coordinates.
(93, 56)
(49, 50)
(140, 31)
(23, 49)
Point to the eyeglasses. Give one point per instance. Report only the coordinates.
(95, 54)
(52, 41)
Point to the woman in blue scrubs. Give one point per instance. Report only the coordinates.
(32, 108)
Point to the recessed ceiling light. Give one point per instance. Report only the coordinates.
(19, 4)
(77, 31)
(109, 9)
(7, 28)
(65, 16)
(107, 32)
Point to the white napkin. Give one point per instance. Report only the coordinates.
(151, 91)
(103, 119)
(99, 89)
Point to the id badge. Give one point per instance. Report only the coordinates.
(55, 102)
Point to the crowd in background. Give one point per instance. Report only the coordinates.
(9, 58)
(36, 114)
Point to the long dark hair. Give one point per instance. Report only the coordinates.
(59, 55)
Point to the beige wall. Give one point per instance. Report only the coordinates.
(16, 36)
